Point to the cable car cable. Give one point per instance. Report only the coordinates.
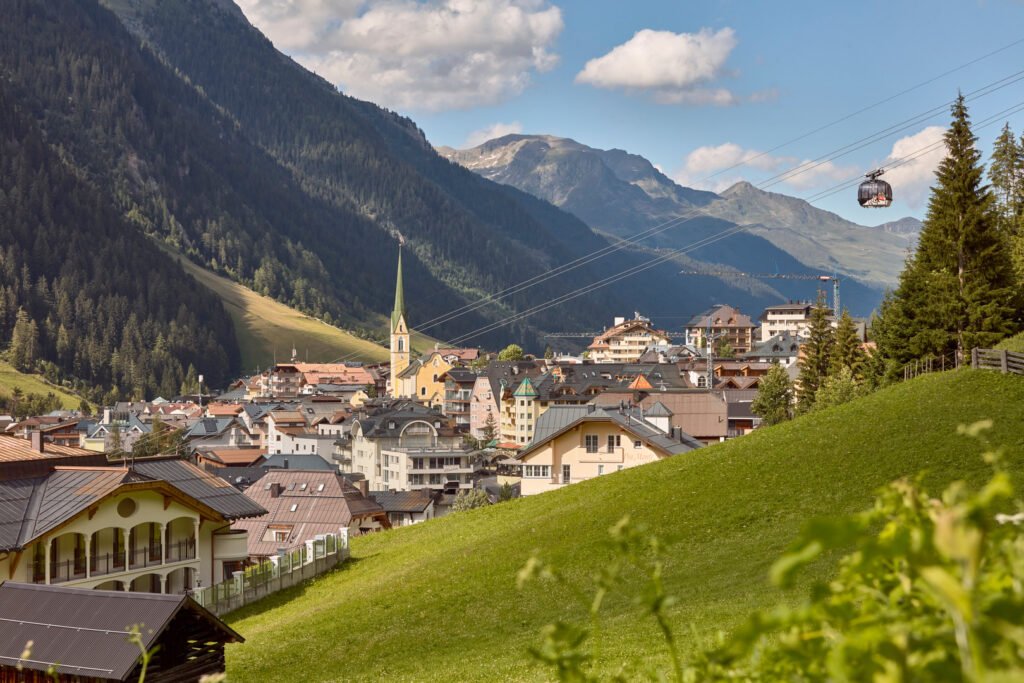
(867, 108)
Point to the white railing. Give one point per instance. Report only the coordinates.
(303, 562)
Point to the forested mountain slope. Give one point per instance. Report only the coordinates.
(82, 293)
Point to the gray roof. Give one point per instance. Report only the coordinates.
(84, 632)
(558, 419)
(209, 426)
(658, 410)
(403, 501)
(297, 461)
(782, 345)
(202, 486)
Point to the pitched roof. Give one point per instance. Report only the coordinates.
(235, 456)
(82, 632)
(658, 410)
(601, 340)
(298, 461)
(721, 315)
(526, 389)
(403, 501)
(16, 449)
(323, 503)
(560, 419)
(209, 426)
(640, 384)
(201, 485)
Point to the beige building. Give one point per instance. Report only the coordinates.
(405, 447)
(792, 317)
(161, 526)
(727, 324)
(576, 443)
(626, 341)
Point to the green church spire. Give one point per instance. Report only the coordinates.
(399, 310)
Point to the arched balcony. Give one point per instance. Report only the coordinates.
(145, 546)
(181, 580)
(180, 539)
(63, 559)
(147, 583)
(107, 554)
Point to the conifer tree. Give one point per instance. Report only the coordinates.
(957, 291)
(814, 365)
(24, 342)
(1006, 172)
(774, 400)
(848, 352)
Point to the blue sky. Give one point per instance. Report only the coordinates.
(692, 86)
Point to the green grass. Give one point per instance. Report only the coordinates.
(438, 600)
(1015, 344)
(267, 329)
(11, 379)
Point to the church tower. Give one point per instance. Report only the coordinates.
(399, 333)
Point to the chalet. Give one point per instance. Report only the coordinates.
(160, 526)
(704, 415)
(576, 443)
(83, 635)
(726, 324)
(405, 508)
(116, 431)
(782, 348)
(458, 395)
(626, 341)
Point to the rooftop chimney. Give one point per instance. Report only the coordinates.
(37, 440)
(276, 490)
(364, 487)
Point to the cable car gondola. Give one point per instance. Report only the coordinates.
(874, 193)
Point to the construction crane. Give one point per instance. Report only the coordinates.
(777, 276)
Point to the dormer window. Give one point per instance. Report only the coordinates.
(391, 425)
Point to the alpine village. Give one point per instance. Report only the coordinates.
(294, 387)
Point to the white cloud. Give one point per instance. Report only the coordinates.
(802, 175)
(672, 67)
(416, 54)
(911, 181)
(496, 130)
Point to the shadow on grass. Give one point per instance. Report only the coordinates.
(281, 597)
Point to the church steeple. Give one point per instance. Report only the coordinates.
(399, 310)
(400, 350)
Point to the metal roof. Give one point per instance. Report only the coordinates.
(17, 449)
(201, 485)
(299, 461)
(559, 419)
(84, 632)
(403, 501)
(316, 510)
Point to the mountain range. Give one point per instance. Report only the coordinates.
(623, 195)
(179, 124)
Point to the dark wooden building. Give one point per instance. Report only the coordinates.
(84, 636)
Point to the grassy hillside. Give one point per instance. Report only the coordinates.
(266, 327)
(1015, 344)
(438, 600)
(11, 379)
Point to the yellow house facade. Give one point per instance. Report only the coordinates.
(125, 529)
(576, 443)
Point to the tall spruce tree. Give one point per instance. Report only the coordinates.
(957, 291)
(774, 400)
(1006, 171)
(817, 358)
(848, 352)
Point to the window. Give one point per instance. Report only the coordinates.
(320, 487)
(591, 441)
(600, 470)
(281, 536)
(702, 381)
(423, 391)
(401, 344)
(566, 474)
(302, 486)
(294, 507)
(614, 441)
(539, 471)
(637, 444)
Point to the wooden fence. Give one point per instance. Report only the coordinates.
(287, 569)
(998, 359)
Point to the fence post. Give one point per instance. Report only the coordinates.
(974, 358)
(1003, 362)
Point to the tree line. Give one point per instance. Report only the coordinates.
(962, 288)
